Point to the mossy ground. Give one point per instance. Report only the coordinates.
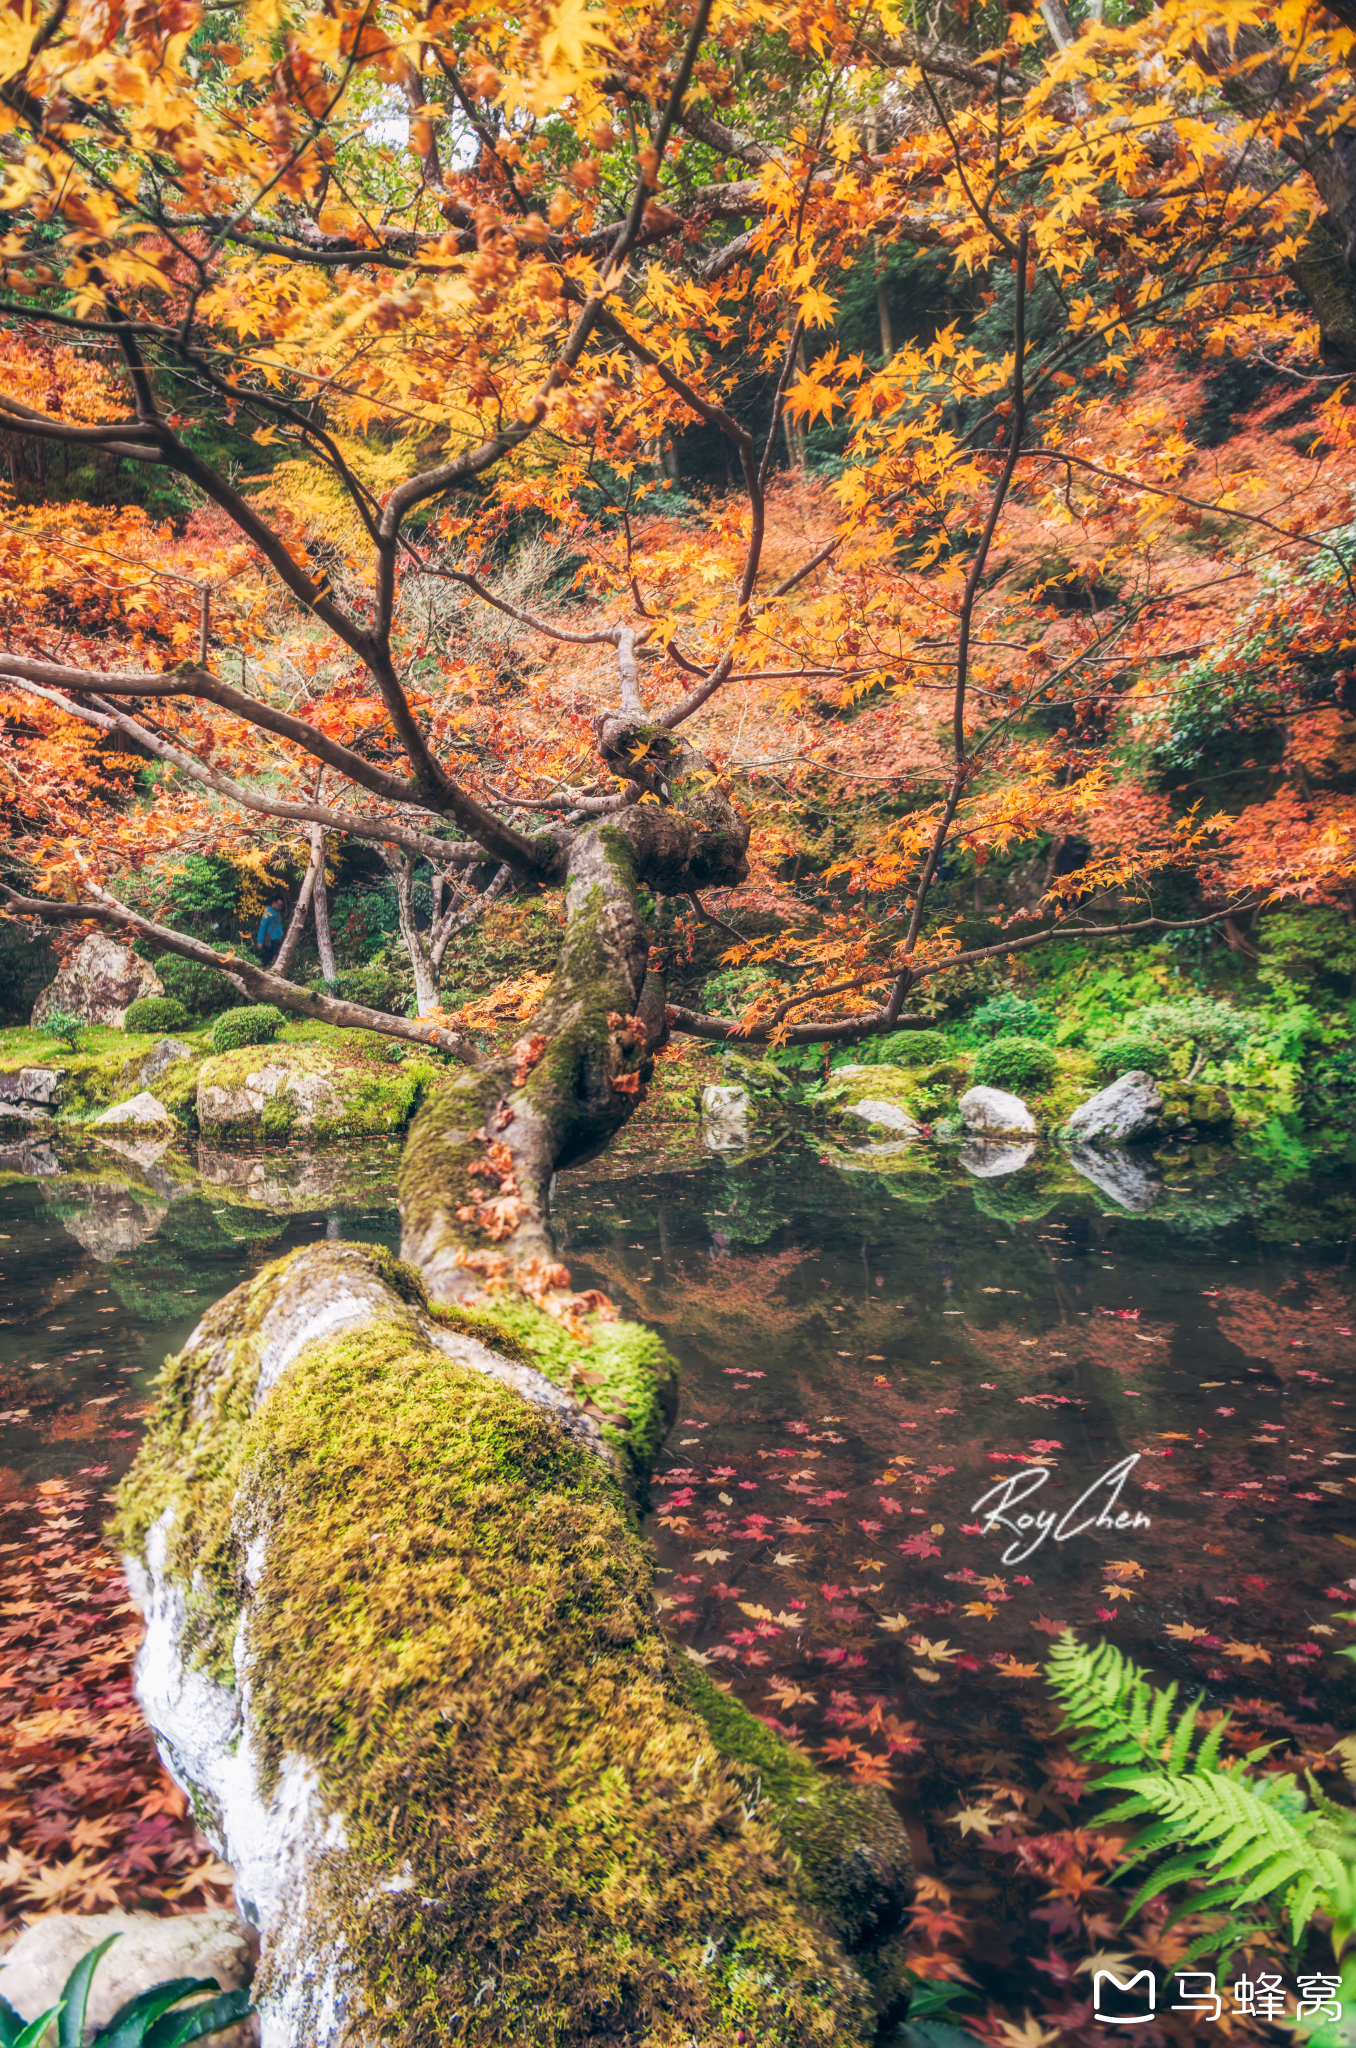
(455, 1622)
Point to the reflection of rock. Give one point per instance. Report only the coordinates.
(993, 1111)
(149, 1951)
(143, 1152)
(98, 983)
(1130, 1108)
(167, 1053)
(1130, 1182)
(725, 1118)
(33, 1157)
(888, 1115)
(138, 1110)
(362, 1177)
(18, 1113)
(989, 1161)
(113, 1222)
(40, 1085)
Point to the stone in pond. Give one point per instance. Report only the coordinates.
(991, 1111)
(1129, 1182)
(989, 1161)
(98, 983)
(138, 1109)
(150, 1950)
(886, 1115)
(1130, 1108)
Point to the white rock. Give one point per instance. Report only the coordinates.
(873, 1111)
(22, 1112)
(990, 1111)
(150, 1949)
(1130, 1108)
(725, 1118)
(987, 1161)
(138, 1109)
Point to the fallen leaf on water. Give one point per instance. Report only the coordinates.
(1183, 1631)
(711, 1556)
(1008, 1667)
(895, 1622)
(1248, 1653)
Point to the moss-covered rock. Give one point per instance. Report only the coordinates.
(400, 1623)
(347, 1087)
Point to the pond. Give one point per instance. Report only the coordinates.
(878, 1358)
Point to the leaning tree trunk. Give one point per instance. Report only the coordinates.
(401, 1649)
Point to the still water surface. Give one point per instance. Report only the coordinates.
(865, 1356)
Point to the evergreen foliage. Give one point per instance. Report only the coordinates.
(256, 1024)
(155, 1013)
(1015, 1063)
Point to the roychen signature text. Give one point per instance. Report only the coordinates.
(1097, 1507)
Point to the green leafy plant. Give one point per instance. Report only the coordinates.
(1128, 1053)
(1207, 1029)
(150, 2020)
(1015, 1063)
(258, 1024)
(61, 1025)
(896, 1049)
(1250, 1844)
(1008, 1014)
(155, 1013)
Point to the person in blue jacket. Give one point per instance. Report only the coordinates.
(269, 936)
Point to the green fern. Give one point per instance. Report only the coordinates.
(1250, 1844)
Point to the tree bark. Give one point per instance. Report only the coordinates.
(297, 922)
(322, 907)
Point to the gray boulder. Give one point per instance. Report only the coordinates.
(22, 1113)
(888, 1115)
(149, 1950)
(97, 984)
(138, 1109)
(165, 1053)
(991, 1112)
(1130, 1108)
(1129, 1182)
(38, 1086)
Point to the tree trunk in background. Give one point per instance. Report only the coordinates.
(297, 925)
(322, 906)
(887, 344)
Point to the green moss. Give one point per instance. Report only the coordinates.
(454, 1623)
(435, 1169)
(629, 1373)
(355, 1093)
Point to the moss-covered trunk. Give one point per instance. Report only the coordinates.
(401, 1647)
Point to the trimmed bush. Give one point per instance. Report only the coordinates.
(899, 1049)
(1015, 1063)
(257, 1024)
(155, 1013)
(1130, 1052)
(1006, 1015)
(379, 985)
(203, 991)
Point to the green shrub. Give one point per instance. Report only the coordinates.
(258, 1024)
(61, 1025)
(155, 1013)
(1130, 1052)
(1008, 1015)
(203, 991)
(899, 1049)
(1015, 1063)
(382, 984)
(1209, 1029)
(729, 993)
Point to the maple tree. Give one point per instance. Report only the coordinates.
(446, 276)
